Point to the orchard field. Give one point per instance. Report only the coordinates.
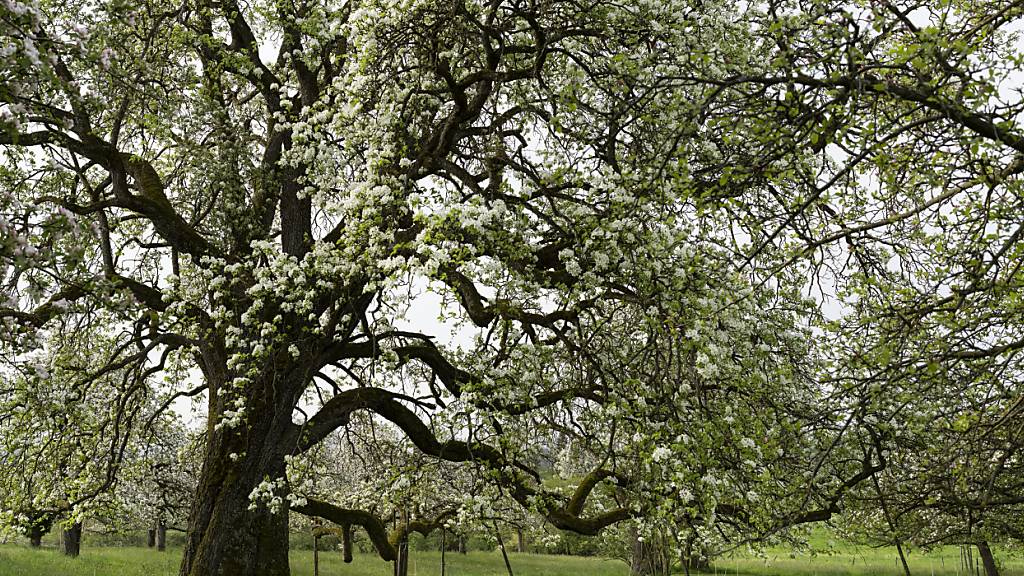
(16, 561)
(824, 556)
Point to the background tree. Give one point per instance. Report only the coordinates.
(954, 476)
(68, 420)
(157, 481)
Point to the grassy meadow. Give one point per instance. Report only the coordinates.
(828, 558)
(16, 560)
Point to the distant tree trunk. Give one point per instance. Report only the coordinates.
(151, 538)
(462, 544)
(71, 540)
(987, 560)
(688, 561)
(903, 558)
(36, 533)
(402, 559)
(161, 535)
(648, 558)
(520, 541)
(695, 564)
(346, 543)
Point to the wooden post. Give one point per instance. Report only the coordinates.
(504, 554)
(443, 546)
(892, 526)
(316, 547)
(402, 548)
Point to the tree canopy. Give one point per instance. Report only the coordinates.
(728, 252)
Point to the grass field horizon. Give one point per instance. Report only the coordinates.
(19, 560)
(824, 556)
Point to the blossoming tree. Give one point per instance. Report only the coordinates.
(609, 201)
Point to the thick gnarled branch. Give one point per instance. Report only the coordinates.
(386, 543)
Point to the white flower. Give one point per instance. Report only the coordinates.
(105, 58)
(31, 52)
(660, 454)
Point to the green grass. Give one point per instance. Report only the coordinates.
(831, 559)
(846, 559)
(22, 561)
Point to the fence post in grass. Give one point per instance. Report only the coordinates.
(443, 546)
(316, 547)
(504, 554)
(402, 547)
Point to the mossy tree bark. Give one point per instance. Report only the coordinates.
(225, 536)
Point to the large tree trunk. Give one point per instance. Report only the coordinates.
(226, 537)
(35, 539)
(987, 560)
(71, 540)
(520, 541)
